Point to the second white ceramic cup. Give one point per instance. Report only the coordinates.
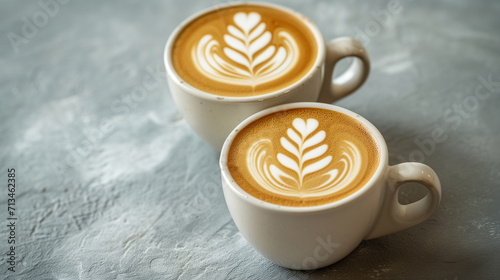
(317, 236)
(213, 117)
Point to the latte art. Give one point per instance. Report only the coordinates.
(244, 50)
(303, 157)
(293, 180)
(250, 58)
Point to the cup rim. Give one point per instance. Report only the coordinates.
(171, 73)
(235, 188)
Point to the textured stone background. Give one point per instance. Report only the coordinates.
(113, 184)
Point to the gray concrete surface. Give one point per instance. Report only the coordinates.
(111, 183)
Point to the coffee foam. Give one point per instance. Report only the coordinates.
(303, 157)
(244, 50)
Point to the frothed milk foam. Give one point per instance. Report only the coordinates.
(303, 157)
(244, 50)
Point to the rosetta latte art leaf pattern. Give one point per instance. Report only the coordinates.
(307, 154)
(249, 57)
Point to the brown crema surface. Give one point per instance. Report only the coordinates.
(342, 133)
(216, 24)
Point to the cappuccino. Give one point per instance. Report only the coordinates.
(303, 157)
(244, 50)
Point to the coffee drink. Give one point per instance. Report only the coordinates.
(244, 50)
(303, 157)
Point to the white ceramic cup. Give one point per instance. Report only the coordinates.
(317, 236)
(213, 117)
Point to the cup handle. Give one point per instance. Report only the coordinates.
(352, 78)
(396, 216)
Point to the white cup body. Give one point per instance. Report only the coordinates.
(213, 118)
(305, 239)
